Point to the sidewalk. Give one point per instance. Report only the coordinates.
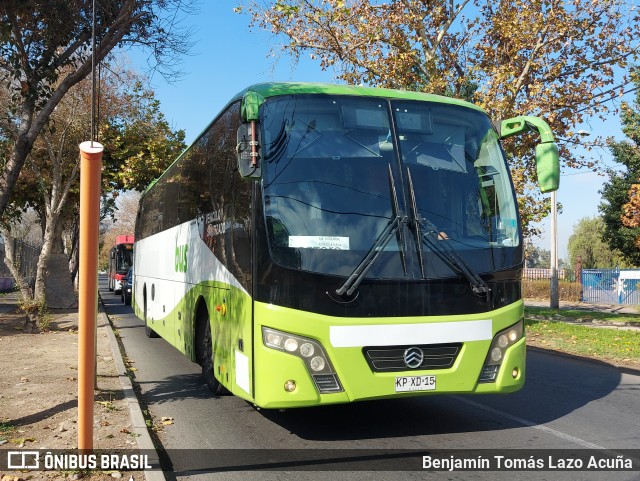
(9, 301)
(39, 387)
(586, 306)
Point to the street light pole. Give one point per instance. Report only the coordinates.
(555, 298)
(554, 302)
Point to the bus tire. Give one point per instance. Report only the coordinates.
(147, 330)
(207, 359)
(150, 333)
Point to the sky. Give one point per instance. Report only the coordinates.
(227, 57)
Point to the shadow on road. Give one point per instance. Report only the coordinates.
(556, 386)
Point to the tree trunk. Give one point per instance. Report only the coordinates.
(59, 290)
(74, 251)
(39, 295)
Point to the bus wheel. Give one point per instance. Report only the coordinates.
(147, 330)
(207, 360)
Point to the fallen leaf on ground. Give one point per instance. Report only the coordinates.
(20, 441)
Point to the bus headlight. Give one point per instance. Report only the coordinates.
(311, 352)
(501, 342)
(291, 345)
(317, 364)
(307, 349)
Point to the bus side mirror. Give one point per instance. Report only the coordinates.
(248, 151)
(548, 167)
(547, 157)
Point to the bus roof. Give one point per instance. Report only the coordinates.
(124, 239)
(274, 89)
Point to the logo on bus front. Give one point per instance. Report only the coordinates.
(413, 357)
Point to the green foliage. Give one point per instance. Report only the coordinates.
(46, 49)
(139, 145)
(537, 257)
(37, 311)
(615, 192)
(541, 289)
(587, 242)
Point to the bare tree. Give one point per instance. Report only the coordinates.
(46, 48)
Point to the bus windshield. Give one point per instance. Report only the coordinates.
(124, 258)
(332, 164)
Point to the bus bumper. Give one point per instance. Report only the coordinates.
(283, 380)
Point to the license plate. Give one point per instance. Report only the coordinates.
(415, 383)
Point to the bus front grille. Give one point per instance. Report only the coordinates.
(392, 358)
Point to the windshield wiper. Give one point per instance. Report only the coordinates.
(427, 231)
(395, 226)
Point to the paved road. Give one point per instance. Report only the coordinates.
(567, 403)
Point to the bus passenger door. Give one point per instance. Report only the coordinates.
(239, 318)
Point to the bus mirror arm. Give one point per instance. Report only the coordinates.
(248, 147)
(547, 156)
(248, 150)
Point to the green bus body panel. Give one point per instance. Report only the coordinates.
(251, 102)
(228, 325)
(274, 368)
(275, 89)
(517, 125)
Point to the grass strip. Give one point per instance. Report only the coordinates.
(608, 344)
(585, 316)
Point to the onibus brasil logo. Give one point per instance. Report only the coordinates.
(48, 460)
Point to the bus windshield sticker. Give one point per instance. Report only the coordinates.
(319, 242)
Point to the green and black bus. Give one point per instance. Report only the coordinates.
(323, 244)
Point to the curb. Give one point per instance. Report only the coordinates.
(138, 424)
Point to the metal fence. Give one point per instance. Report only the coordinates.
(26, 260)
(611, 286)
(533, 273)
(599, 286)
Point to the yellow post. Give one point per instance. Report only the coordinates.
(90, 167)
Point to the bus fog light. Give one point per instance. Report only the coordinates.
(317, 363)
(496, 354)
(290, 386)
(291, 345)
(306, 350)
(515, 372)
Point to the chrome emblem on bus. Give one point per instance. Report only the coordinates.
(413, 357)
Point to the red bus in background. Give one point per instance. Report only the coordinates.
(120, 261)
